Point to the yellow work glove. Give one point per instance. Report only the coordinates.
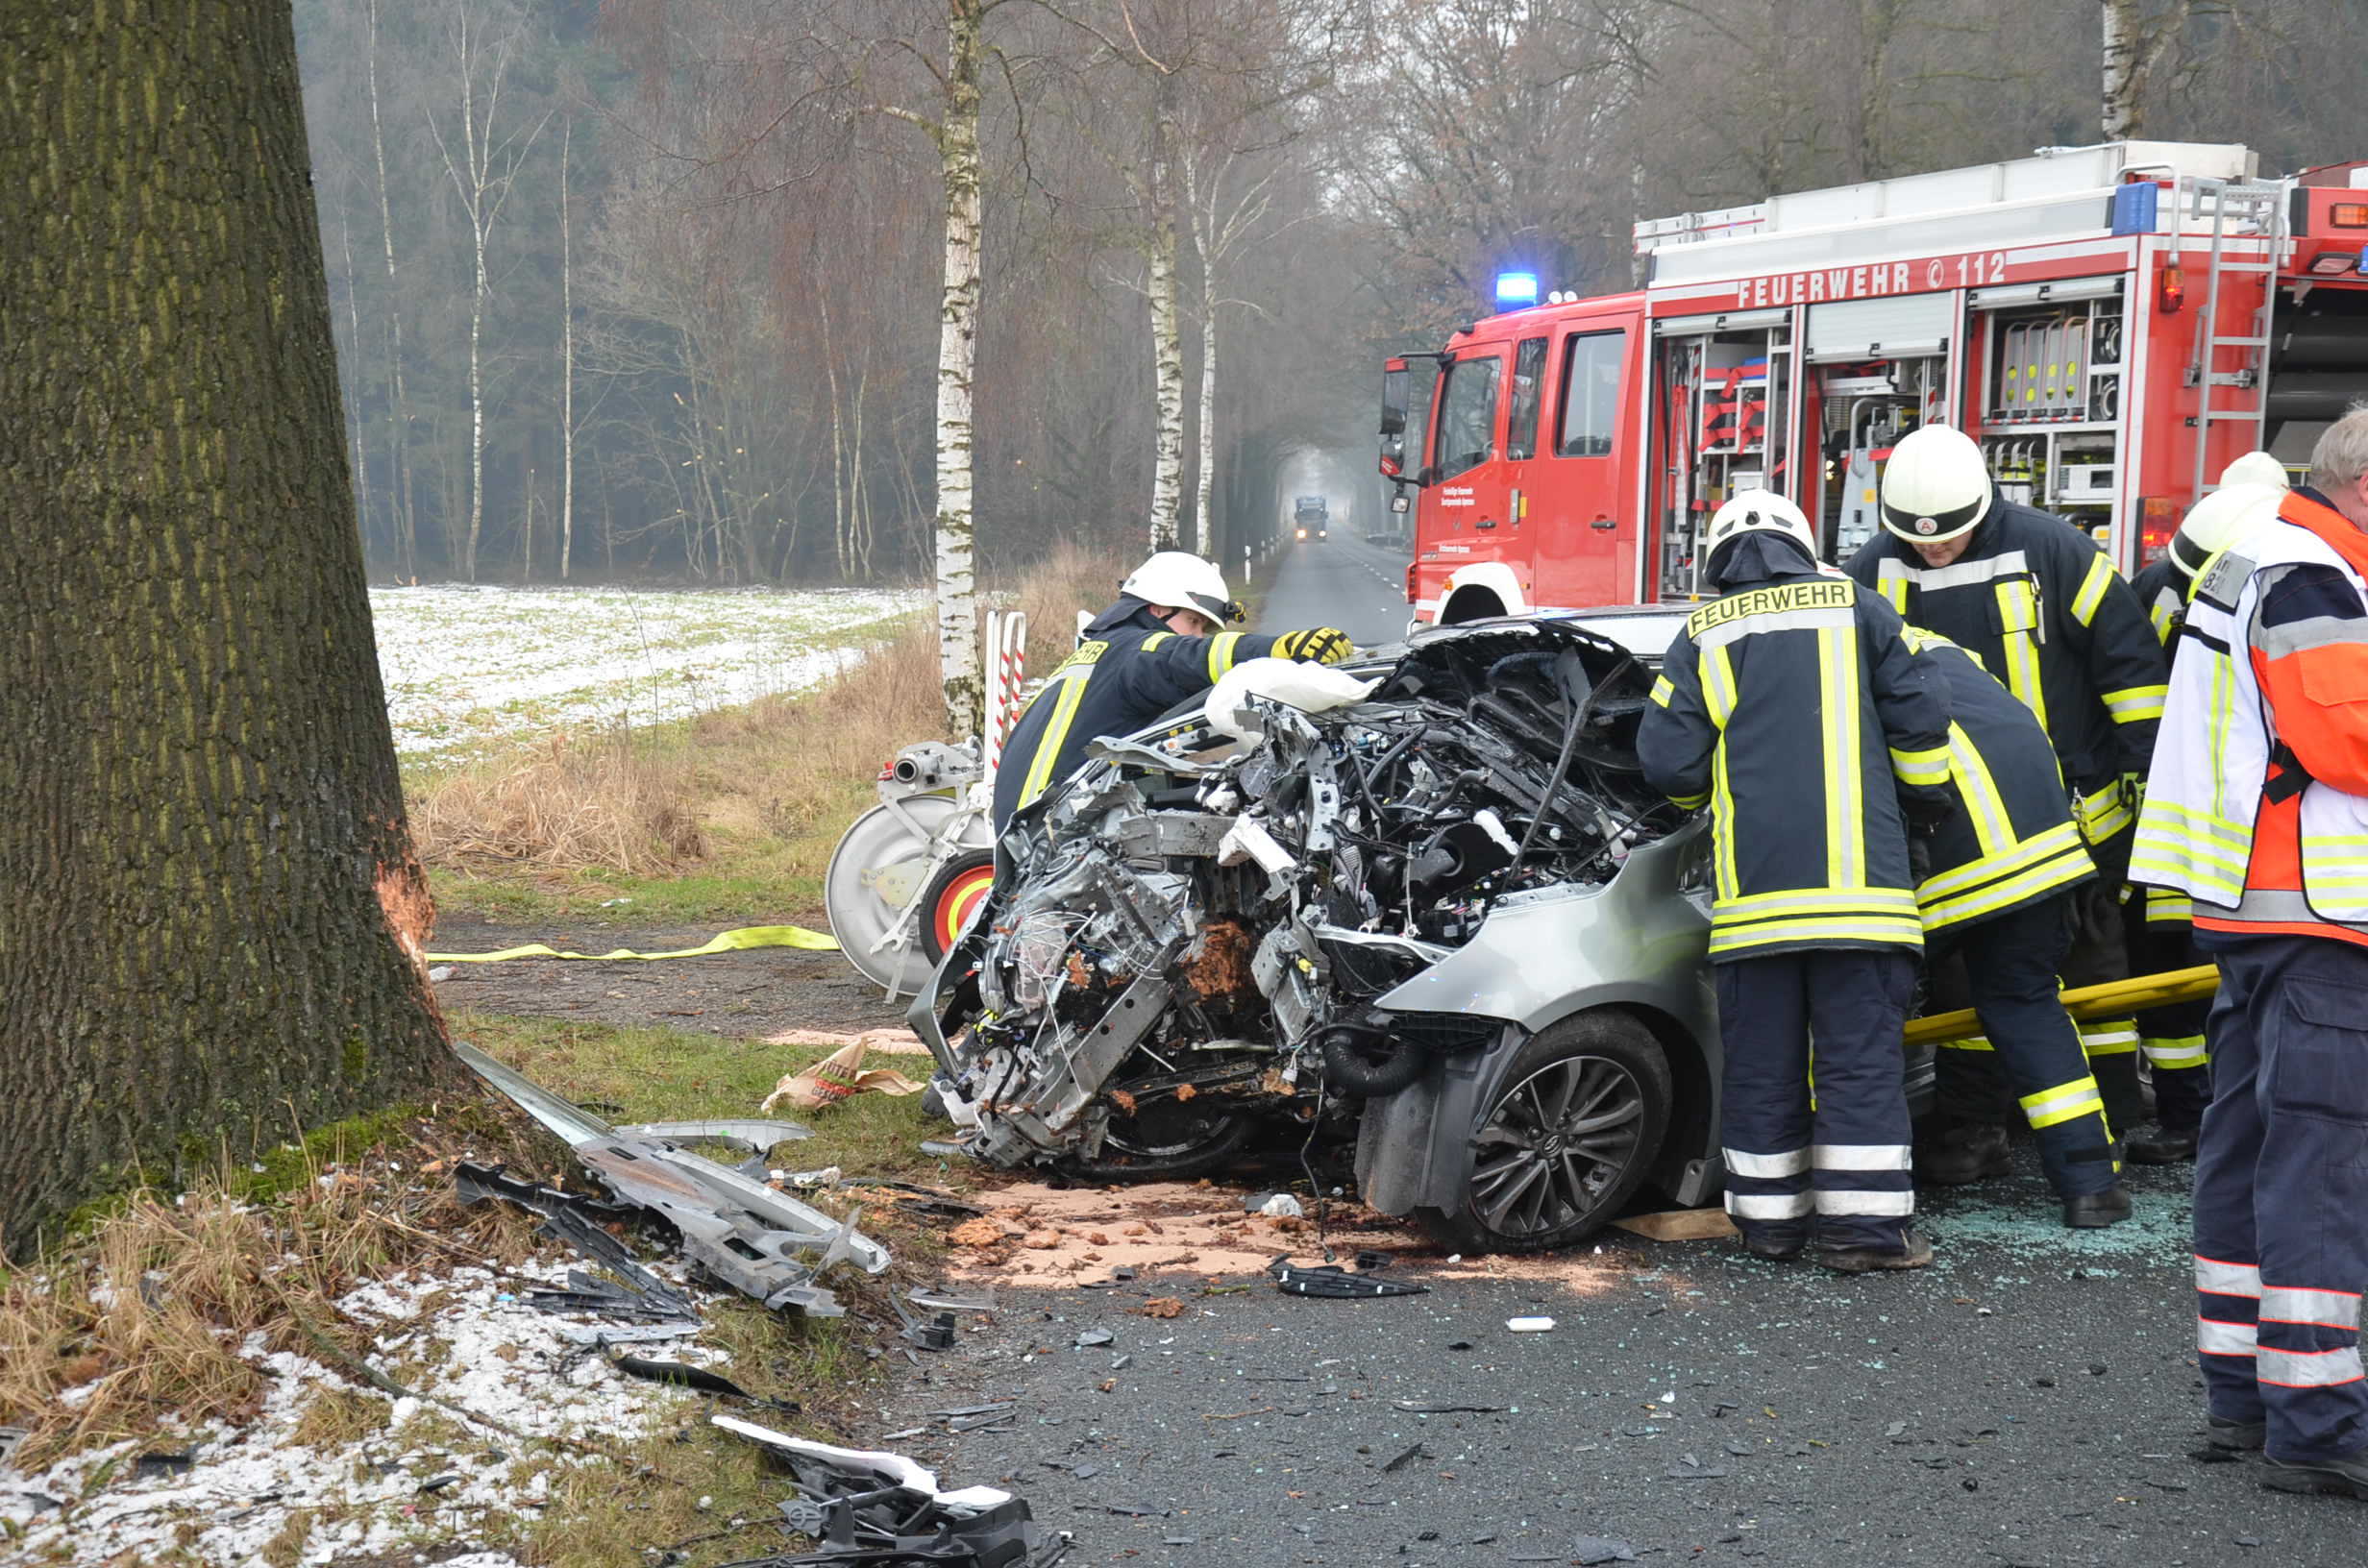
(1319, 645)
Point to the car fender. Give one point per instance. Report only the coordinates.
(1638, 942)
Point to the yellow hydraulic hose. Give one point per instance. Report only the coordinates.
(2114, 999)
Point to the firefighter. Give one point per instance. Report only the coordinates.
(2257, 809)
(1785, 707)
(1157, 645)
(2039, 604)
(2172, 1038)
(2002, 865)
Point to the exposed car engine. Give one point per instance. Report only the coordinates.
(1199, 937)
(1195, 937)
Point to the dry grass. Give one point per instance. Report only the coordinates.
(569, 801)
(147, 1317)
(744, 804)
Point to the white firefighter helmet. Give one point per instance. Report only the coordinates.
(1175, 580)
(2219, 520)
(1759, 511)
(1935, 485)
(2255, 468)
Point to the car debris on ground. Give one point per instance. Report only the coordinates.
(734, 1228)
(873, 1506)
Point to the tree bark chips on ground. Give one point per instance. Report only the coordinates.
(209, 905)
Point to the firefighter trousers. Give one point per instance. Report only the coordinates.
(1842, 1156)
(2171, 1037)
(2280, 1184)
(2010, 963)
(1971, 1084)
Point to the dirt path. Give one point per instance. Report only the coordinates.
(752, 993)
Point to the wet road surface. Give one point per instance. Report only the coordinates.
(1345, 582)
(2029, 1398)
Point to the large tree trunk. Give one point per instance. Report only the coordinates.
(957, 355)
(213, 917)
(1167, 338)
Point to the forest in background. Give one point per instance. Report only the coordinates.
(651, 289)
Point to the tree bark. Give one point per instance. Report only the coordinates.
(213, 916)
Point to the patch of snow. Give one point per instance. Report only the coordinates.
(468, 666)
(514, 1373)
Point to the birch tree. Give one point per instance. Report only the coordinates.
(482, 170)
(2135, 47)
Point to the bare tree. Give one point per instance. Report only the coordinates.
(484, 42)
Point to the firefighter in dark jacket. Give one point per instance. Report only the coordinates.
(1788, 707)
(1159, 644)
(2172, 1038)
(2039, 604)
(2004, 865)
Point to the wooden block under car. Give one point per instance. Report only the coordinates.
(1679, 1225)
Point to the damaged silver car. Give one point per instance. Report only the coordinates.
(1448, 922)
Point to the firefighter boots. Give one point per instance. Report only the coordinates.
(1914, 1252)
(1964, 1154)
(2346, 1477)
(2094, 1211)
(2166, 1148)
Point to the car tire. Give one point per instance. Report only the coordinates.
(1164, 1142)
(1522, 1188)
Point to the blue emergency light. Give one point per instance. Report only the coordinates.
(1515, 289)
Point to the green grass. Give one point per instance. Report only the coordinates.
(749, 889)
(655, 1075)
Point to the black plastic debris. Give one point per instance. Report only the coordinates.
(436, 1483)
(1403, 1460)
(158, 1462)
(1333, 1282)
(869, 1507)
(683, 1375)
(1418, 1408)
(579, 1221)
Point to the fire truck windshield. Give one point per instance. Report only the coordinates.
(1466, 417)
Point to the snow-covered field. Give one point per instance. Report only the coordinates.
(469, 667)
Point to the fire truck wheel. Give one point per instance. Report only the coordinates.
(954, 896)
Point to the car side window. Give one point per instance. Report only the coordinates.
(1590, 394)
(1467, 416)
(1528, 392)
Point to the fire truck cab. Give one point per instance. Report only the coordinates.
(2114, 325)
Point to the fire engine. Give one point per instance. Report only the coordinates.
(2113, 324)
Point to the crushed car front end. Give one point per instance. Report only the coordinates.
(1446, 923)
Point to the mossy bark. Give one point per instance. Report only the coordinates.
(209, 912)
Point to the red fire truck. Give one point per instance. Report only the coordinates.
(2112, 324)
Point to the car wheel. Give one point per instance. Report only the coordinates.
(1565, 1142)
(1165, 1139)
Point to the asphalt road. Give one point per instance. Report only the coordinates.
(1345, 582)
(2029, 1398)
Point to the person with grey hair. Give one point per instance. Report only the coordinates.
(2256, 809)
